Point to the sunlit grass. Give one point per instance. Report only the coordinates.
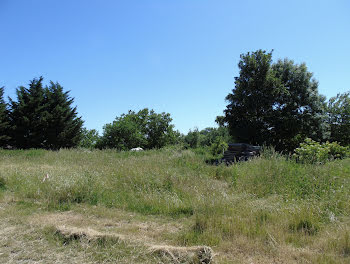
(267, 203)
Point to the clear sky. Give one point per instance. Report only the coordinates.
(174, 56)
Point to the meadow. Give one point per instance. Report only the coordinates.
(270, 209)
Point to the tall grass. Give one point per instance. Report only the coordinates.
(269, 200)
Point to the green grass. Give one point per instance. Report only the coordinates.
(259, 204)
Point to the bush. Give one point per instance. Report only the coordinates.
(311, 151)
(219, 146)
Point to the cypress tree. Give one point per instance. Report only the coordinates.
(28, 116)
(64, 127)
(4, 121)
(43, 117)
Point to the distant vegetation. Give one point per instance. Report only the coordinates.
(145, 129)
(273, 104)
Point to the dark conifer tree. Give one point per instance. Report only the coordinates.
(64, 127)
(28, 116)
(4, 121)
(43, 117)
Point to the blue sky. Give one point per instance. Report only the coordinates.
(174, 56)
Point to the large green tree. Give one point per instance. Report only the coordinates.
(63, 126)
(28, 116)
(274, 103)
(4, 121)
(146, 129)
(339, 118)
(42, 117)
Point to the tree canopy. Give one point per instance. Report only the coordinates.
(145, 129)
(4, 121)
(274, 103)
(89, 138)
(43, 117)
(206, 137)
(63, 126)
(339, 118)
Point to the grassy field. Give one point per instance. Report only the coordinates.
(76, 206)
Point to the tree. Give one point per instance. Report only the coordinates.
(192, 139)
(43, 117)
(28, 115)
(89, 138)
(220, 120)
(299, 111)
(63, 126)
(274, 103)
(159, 130)
(4, 121)
(207, 136)
(210, 135)
(339, 118)
(218, 146)
(145, 129)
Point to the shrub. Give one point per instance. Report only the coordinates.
(219, 146)
(311, 151)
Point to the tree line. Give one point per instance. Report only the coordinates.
(272, 103)
(43, 117)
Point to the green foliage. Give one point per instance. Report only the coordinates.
(28, 116)
(339, 118)
(4, 121)
(63, 126)
(192, 139)
(89, 138)
(219, 146)
(274, 103)
(311, 151)
(206, 137)
(43, 117)
(145, 129)
(220, 120)
(210, 135)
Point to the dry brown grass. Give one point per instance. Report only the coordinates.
(25, 236)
